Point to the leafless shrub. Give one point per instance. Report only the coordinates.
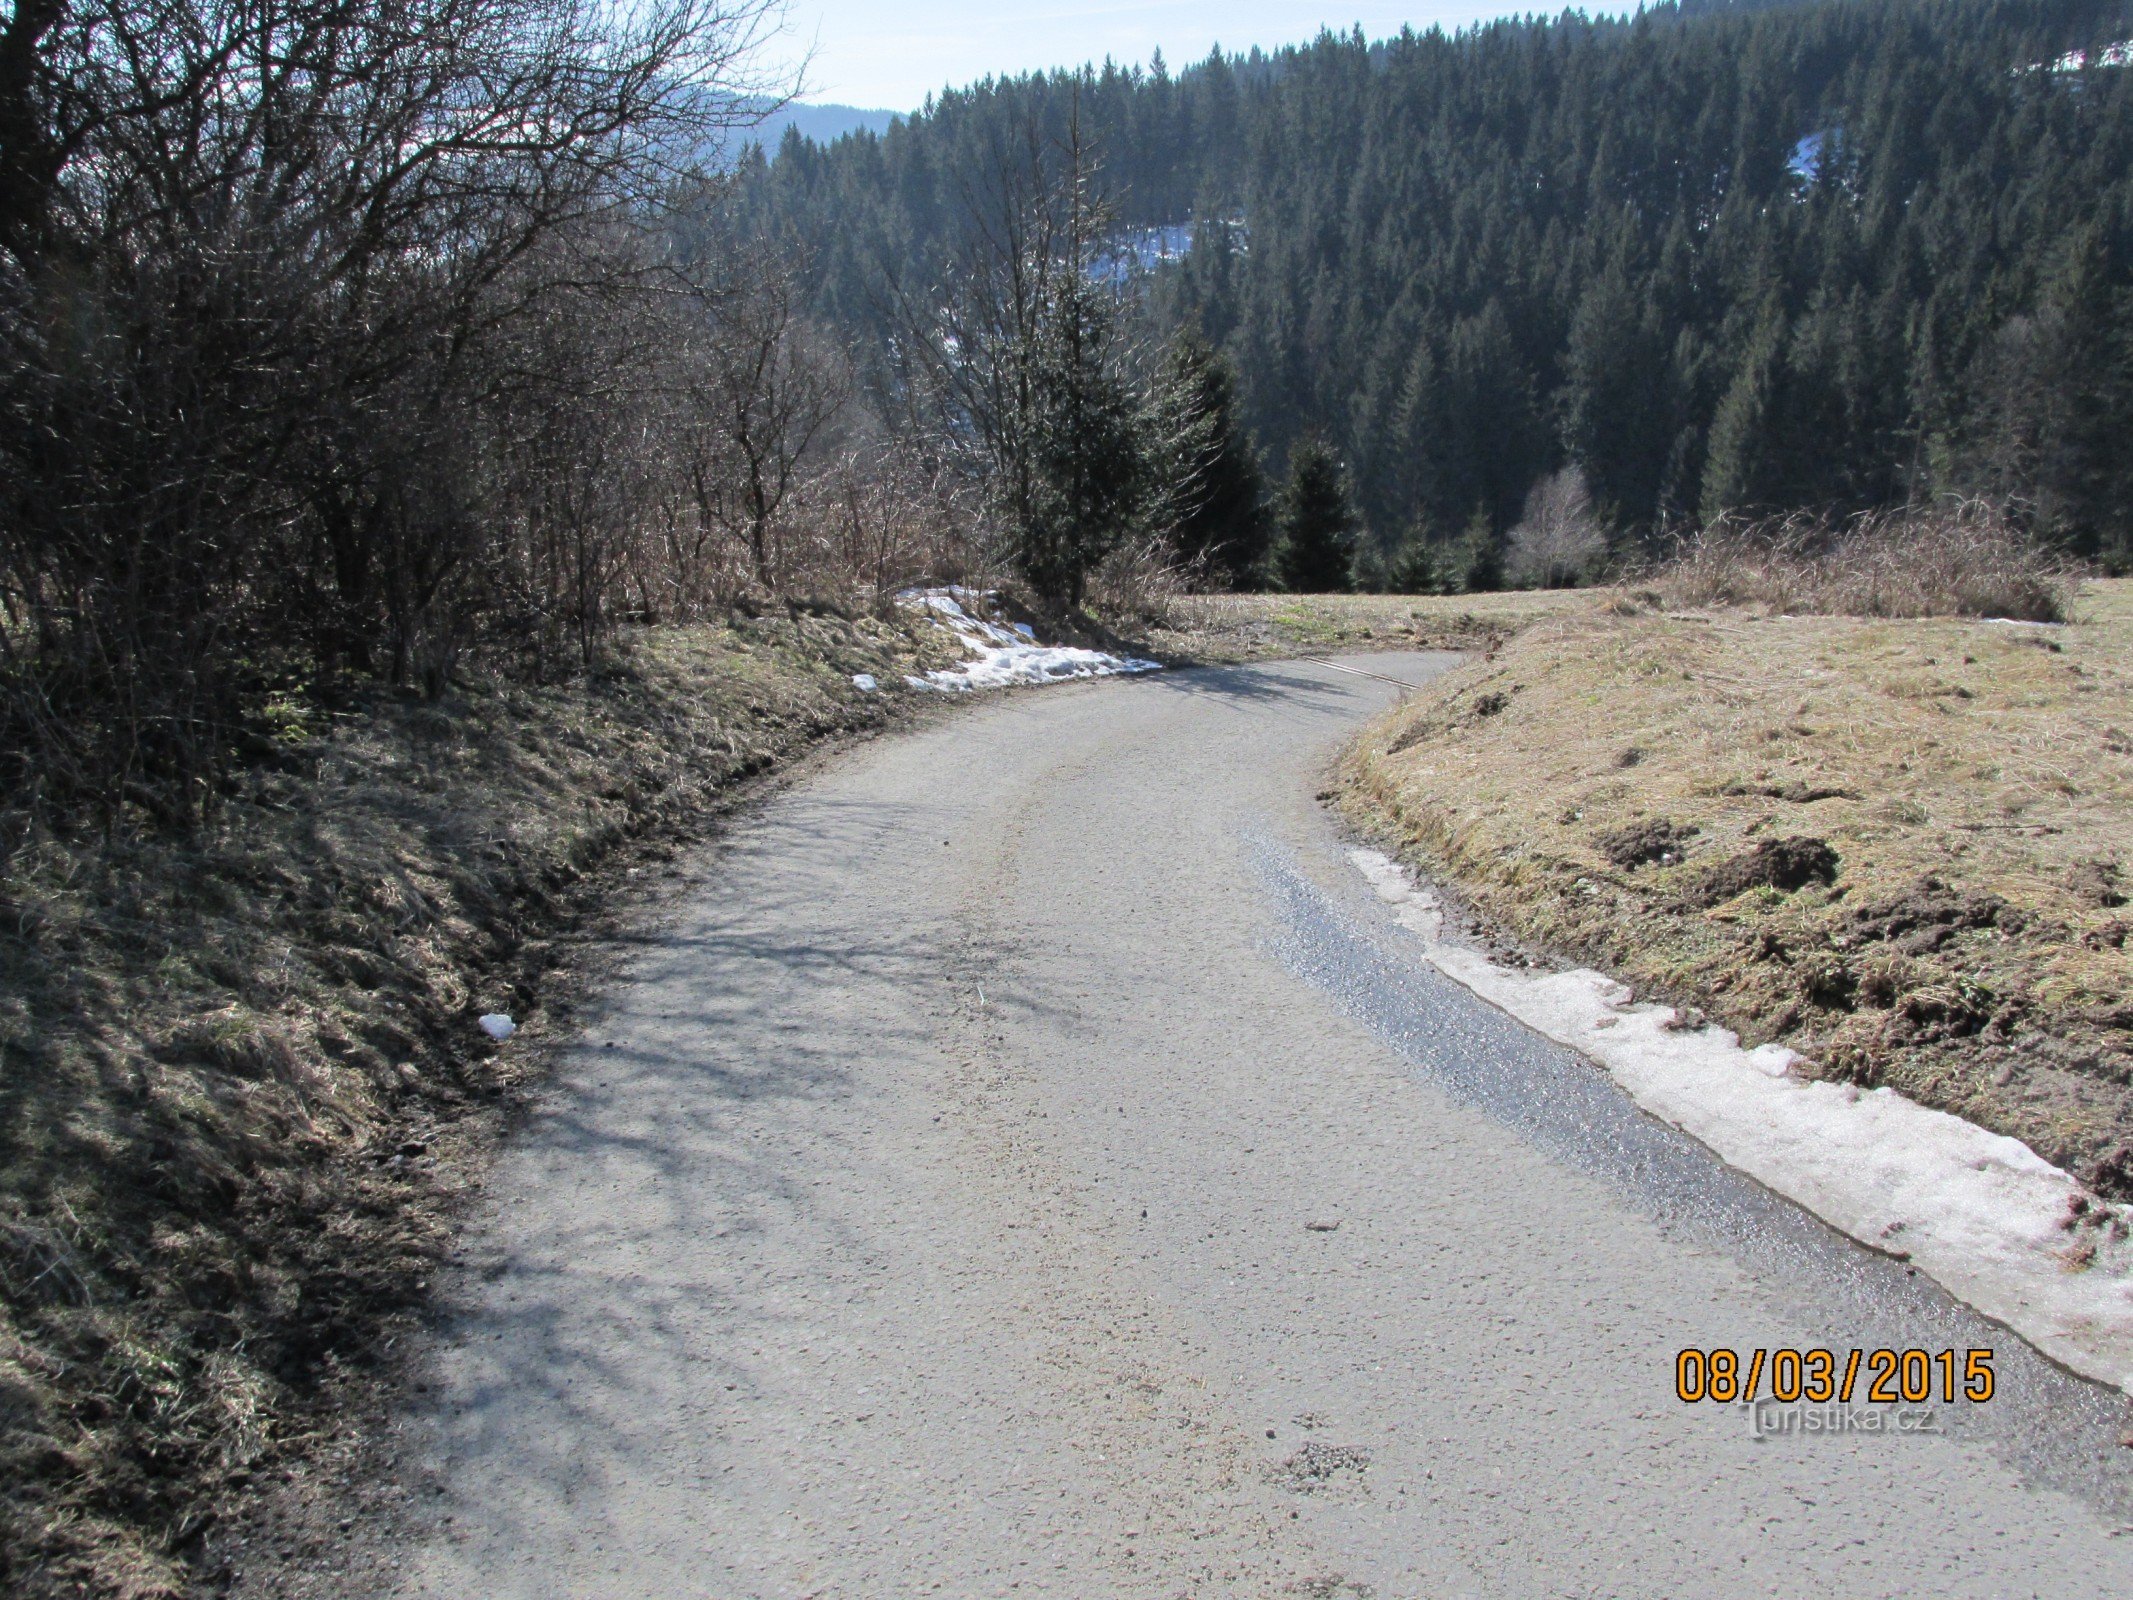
(293, 298)
(890, 516)
(1957, 559)
(764, 387)
(1559, 541)
(1141, 581)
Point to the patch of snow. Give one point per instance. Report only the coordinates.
(1976, 1211)
(948, 597)
(999, 657)
(2074, 62)
(2111, 55)
(497, 1025)
(1138, 250)
(1809, 155)
(865, 681)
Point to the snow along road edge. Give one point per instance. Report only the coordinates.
(1981, 1214)
(999, 657)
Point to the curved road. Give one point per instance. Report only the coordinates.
(1034, 1163)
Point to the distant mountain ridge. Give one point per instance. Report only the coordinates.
(823, 123)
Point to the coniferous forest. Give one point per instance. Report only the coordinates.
(1713, 259)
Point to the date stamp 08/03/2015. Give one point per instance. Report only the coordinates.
(1829, 1391)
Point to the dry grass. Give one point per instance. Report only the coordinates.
(1264, 627)
(236, 1067)
(1957, 560)
(1647, 791)
(1137, 585)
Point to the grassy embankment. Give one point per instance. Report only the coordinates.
(243, 1083)
(1266, 627)
(1901, 847)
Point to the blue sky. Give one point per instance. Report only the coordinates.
(892, 55)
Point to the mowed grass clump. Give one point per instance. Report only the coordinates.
(242, 1072)
(1956, 560)
(1904, 847)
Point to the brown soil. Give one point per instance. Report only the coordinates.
(1640, 843)
(1780, 864)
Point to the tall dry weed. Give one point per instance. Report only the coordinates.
(1958, 559)
(1141, 582)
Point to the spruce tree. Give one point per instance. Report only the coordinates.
(1733, 474)
(1090, 443)
(1617, 405)
(1218, 513)
(1369, 569)
(2091, 472)
(1317, 523)
(1481, 554)
(1416, 567)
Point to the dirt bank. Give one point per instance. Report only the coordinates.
(1899, 847)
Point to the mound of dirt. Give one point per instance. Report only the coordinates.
(1653, 839)
(1925, 917)
(2097, 883)
(1785, 864)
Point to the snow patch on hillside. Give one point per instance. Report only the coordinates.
(1980, 1213)
(2111, 55)
(1814, 152)
(1003, 655)
(2076, 62)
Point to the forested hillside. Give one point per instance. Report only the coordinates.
(1824, 256)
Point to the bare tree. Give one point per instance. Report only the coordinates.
(770, 388)
(971, 338)
(1559, 542)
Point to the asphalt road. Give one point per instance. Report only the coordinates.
(1032, 1162)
